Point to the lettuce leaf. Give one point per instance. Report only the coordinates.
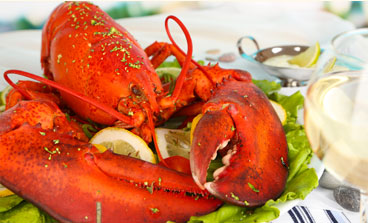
(266, 86)
(175, 63)
(298, 188)
(8, 202)
(301, 181)
(25, 212)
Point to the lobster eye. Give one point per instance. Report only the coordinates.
(135, 89)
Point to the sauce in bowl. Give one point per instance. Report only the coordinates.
(280, 61)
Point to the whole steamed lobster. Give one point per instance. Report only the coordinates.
(102, 74)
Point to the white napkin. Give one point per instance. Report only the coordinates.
(303, 214)
(318, 207)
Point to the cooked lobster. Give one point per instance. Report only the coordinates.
(102, 74)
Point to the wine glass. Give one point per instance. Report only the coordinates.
(336, 110)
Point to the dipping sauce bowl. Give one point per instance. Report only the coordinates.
(289, 75)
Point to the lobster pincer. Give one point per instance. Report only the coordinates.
(240, 123)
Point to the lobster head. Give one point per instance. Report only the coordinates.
(86, 50)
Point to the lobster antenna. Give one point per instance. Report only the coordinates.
(154, 138)
(103, 107)
(188, 57)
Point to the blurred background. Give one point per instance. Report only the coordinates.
(16, 15)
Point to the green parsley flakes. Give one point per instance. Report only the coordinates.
(155, 210)
(253, 188)
(234, 196)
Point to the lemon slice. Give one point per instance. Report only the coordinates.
(2, 108)
(100, 147)
(4, 191)
(307, 58)
(123, 142)
(173, 142)
(194, 124)
(329, 65)
(4, 93)
(280, 111)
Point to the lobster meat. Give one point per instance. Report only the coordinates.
(104, 75)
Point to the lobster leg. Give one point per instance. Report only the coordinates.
(41, 112)
(200, 80)
(160, 51)
(33, 90)
(87, 186)
(240, 118)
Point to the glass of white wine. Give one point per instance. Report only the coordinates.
(336, 110)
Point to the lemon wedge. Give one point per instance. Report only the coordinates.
(123, 142)
(280, 111)
(3, 94)
(173, 142)
(4, 191)
(307, 58)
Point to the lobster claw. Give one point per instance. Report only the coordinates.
(241, 122)
(109, 187)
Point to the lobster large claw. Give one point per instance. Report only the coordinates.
(45, 163)
(243, 122)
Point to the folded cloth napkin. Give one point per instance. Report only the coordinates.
(318, 207)
(303, 214)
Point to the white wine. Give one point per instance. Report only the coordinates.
(336, 122)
